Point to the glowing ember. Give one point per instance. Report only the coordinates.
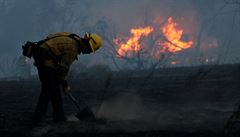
(207, 60)
(173, 62)
(25, 60)
(133, 44)
(173, 36)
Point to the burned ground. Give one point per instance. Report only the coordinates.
(170, 102)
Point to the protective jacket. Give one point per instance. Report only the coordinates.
(63, 50)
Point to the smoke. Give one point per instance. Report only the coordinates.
(33, 20)
(124, 106)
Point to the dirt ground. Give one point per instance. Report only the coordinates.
(159, 108)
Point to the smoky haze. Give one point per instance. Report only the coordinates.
(203, 20)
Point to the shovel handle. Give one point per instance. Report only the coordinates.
(74, 100)
(64, 84)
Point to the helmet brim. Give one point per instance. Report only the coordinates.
(91, 43)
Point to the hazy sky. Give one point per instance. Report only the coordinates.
(34, 19)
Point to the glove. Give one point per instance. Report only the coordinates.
(62, 73)
(65, 86)
(66, 89)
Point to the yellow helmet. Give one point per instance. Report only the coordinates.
(95, 41)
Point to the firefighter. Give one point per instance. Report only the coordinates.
(53, 58)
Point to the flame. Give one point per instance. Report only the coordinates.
(171, 41)
(173, 37)
(133, 43)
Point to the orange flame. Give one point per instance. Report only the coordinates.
(173, 37)
(133, 43)
(171, 42)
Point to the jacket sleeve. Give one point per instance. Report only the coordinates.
(67, 59)
(65, 49)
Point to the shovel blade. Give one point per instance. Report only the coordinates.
(85, 114)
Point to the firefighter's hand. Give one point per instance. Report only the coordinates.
(65, 86)
(62, 72)
(66, 89)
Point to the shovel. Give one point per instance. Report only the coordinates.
(84, 114)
